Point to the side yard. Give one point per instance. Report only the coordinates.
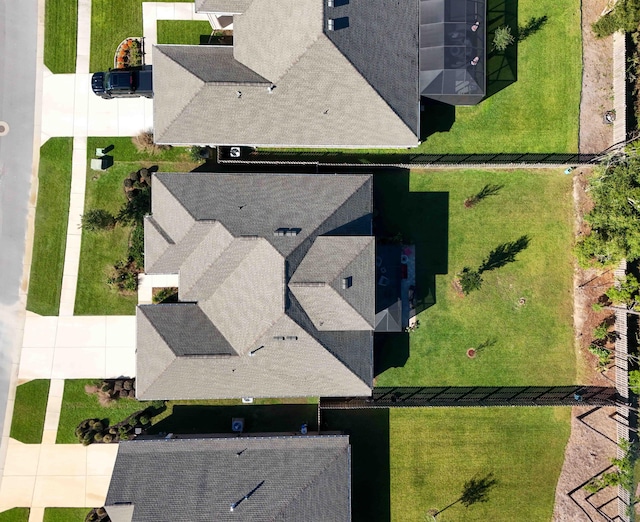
(54, 186)
(520, 320)
(100, 250)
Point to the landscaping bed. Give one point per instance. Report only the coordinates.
(50, 236)
(521, 317)
(111, 22)
(78, 405)
(29, 411)
(102, 249)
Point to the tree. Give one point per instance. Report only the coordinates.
(469, 280)
(502, 38)
(97, 219)
(634, 381)
(615, 218)
(625, 293)
(625, 17)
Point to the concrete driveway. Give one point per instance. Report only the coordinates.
(71, 109)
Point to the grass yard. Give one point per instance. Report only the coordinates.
(531, 343)
(539, 111)
(60, 35)
(77, 406)
(185, 32)
(434, 451)
(29, 410)
(54, 186)
(111, 22)
(100, 250)
(65, 514)
(15, 515)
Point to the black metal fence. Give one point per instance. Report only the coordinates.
(245, 155)
(477, 396)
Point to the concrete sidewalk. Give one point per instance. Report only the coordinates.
(56, 475)
(78, 347)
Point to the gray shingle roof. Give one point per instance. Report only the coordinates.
(197, 480)
(237, 271)
(222, 6)
(334, 92)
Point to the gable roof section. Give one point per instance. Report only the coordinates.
(380, 38)
(197, 480)
(318, 283)
(356, 86)
(222, 6)
(244, 332)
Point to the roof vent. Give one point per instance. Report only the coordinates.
(239, 94)
(347, 282)
(330, 24)
(271, 88)
(292, 232)
(280, 232)
(329, 3)
(292, 338)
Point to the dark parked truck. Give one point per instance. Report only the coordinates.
(123, 83)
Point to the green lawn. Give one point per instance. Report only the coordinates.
(52, 213)
(435, 451)
(60, 35)
(29, 411)
(534, 340)
(65, 514)
(100, 250)
(15, 515)
(77, 406)
(186, 32)
(111, 22)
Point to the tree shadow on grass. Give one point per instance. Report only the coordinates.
(368, 432)
(504, 254)
(278, 418)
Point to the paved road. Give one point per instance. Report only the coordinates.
(18, 27)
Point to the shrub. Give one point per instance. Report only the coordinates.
(634, 381)
(98, 437)
(97, 219)
(626, 293)
(502, 38)
(603, 355)
(624, 17)
(123, 277)
(144, 143)
(107, 438)
(136, 245)
(144, 420)
(470, 280)
(166, 295)
(601, 332)
(197, 153)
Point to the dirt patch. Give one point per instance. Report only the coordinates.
(597, 82)
(588, 453)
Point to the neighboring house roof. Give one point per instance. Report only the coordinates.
(221, 6)
(199, 479)
(278, 275)
(354, 86)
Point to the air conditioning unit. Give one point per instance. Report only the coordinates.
(237, 425)
(235, 152)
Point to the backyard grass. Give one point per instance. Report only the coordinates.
(523, 310)
(100, 250)
(185, 32)
(60, 35)
(29, 411)
(54, 179)
(65, 514)
(77, 406)
(15, 515)
(434, 451)
(111, 22)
